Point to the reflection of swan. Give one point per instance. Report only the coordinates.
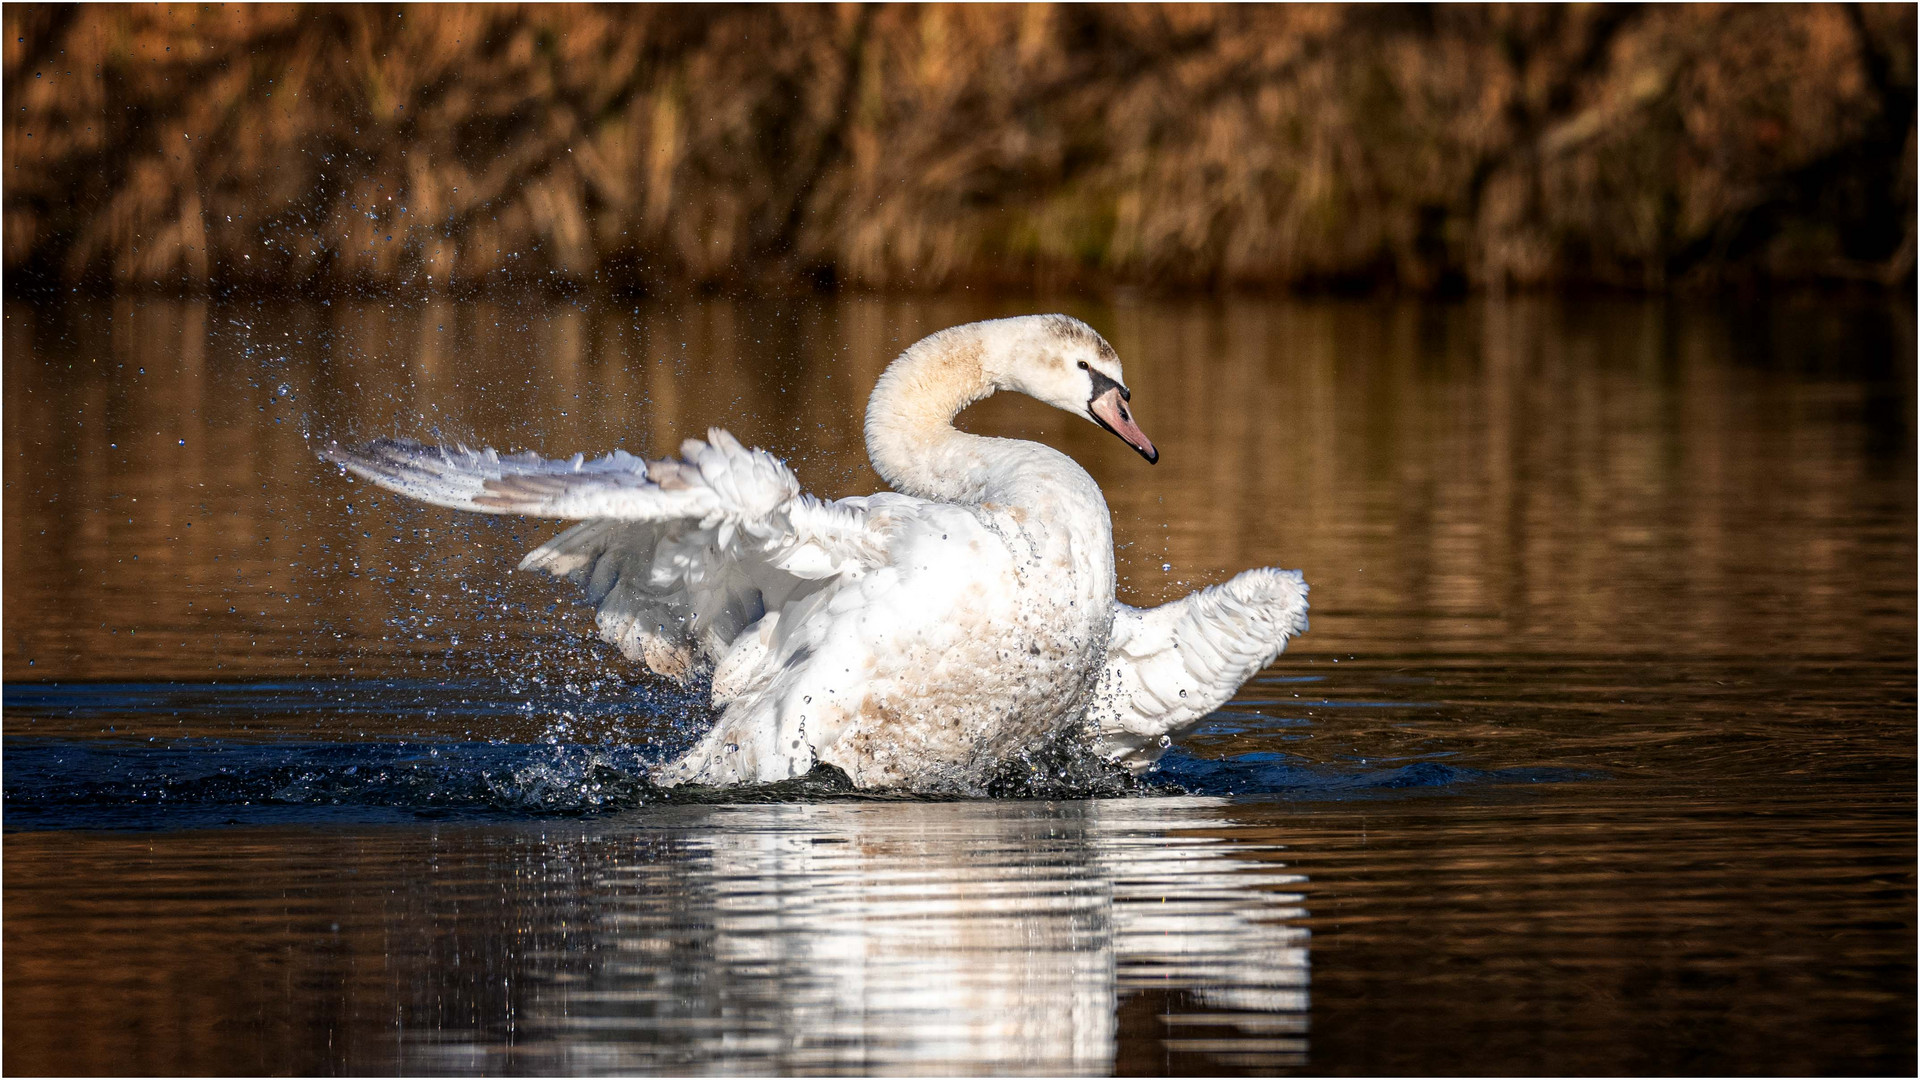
(898, 938)
(917, 639)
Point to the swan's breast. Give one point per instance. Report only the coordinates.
(974, 642)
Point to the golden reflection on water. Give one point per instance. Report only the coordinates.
(1667, 547)
(1533, 477)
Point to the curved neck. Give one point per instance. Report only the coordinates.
(910, 434)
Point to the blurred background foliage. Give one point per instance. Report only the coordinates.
(1429, 148)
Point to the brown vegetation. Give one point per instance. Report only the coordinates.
(1428, 148)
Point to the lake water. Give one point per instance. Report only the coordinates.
(1599, 757)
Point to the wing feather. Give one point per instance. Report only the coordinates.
(718, 477)
(677, 556)
(1168, 667)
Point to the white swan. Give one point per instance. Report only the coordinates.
(914, 640)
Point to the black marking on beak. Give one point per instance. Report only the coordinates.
(1102, 384)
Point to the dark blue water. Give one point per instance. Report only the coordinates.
(112, 781)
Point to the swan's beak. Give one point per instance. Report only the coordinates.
(1109, 409)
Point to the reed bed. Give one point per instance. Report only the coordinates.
(404, 148)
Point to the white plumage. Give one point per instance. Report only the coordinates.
(914, 640)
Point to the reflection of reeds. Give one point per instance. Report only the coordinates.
(1511, 477)
(923, 146)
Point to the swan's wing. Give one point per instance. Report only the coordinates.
(1167, 667)
(679, 595)
(718, 478)
(677, 556)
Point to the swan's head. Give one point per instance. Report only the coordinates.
(1068, 365)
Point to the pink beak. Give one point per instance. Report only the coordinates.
(1109, 410)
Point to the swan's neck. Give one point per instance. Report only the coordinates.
(910, 434)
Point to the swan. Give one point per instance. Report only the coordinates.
(915, 639)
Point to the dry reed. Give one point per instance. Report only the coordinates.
(1430, 148)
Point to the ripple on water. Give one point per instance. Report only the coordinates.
(894, 937)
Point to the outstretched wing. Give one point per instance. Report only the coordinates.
(717, 478)
(1167, 667)
(676, 556)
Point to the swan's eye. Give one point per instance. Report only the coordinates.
(1083, 365)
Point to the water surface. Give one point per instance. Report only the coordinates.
(1598, 757)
